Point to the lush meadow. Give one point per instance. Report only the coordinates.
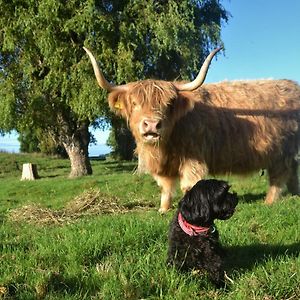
(101, 237)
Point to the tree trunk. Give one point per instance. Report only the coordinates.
(80, 163)
(29, 172)
(77, 149)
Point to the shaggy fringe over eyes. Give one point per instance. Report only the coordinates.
(155, 94)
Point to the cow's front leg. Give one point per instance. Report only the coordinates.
(167, 185)
(190, 173)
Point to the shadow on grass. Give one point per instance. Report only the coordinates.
(246, 257)
(50, 176)
(251, 198)
(118, 166)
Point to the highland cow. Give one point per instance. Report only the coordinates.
(187, 130)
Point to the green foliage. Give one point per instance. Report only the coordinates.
(122, 256)
(121, 141)
(28, 142)
(40, 141)
(43, 74)
(43, 81)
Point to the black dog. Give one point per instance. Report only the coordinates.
(193, 237)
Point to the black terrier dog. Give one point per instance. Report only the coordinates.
(193, 237)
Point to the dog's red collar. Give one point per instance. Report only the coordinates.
(192, 230)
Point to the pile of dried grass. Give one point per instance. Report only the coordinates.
(91, 202)
(94, 202)
(36, 215)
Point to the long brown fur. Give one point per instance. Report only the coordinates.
(229, 127)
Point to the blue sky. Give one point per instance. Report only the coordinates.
(262, 40)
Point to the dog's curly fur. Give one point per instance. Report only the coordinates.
(206, 201)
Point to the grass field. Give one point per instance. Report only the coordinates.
(101, 237)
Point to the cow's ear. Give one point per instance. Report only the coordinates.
(182, 105)
(117, 103)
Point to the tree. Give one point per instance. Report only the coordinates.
(28, 142)
(44, 84)
(39, 141)
(46, 81)
(121, 140)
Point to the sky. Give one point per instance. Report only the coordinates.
(262, 41)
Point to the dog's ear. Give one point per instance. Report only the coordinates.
(223, 202)
(195, 207)
(220, 188)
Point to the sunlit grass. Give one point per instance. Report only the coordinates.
(122, 256)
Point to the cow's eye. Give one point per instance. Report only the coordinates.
(170, 108)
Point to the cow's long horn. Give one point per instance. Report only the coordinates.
(190, 86)
(103, 83)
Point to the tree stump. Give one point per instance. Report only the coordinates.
(29, 172)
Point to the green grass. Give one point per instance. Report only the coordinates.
(122, 256)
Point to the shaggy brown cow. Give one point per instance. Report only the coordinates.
(186, 131)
